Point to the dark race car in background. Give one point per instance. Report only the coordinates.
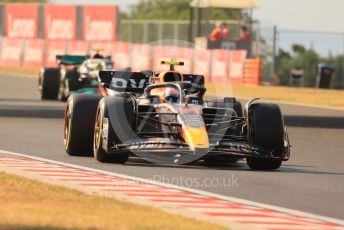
(74, 74)
(137, 115)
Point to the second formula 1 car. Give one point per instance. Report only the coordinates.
(74, 74)
(164, 118)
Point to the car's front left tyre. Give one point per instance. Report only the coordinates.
(266, 130)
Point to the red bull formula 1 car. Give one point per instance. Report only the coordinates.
(164, 118)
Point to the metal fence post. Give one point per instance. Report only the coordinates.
(145, 32)
(176, 33)
(161, 30)
(274, 49)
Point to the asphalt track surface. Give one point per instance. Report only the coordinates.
(311, 181)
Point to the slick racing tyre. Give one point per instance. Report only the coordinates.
(49, 83)
(115, 122)
(70, 83)
(79, 120)
(266, 131)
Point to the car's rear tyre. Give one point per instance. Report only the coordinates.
(80, 115)
(267, 132)
(70, 83)
(49, 83)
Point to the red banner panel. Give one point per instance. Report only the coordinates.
(100, 23)
(236, 66)
(54, 48)
(184, 55)
(219, 67)
(202, 63)
(141, 58)
(21, 20)
(77, 48)
(11, 52)
(162, 53)
(33, 53)
(121, 55)
(59, 22)
(104, 48)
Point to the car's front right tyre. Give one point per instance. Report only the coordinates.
(98, 150)
(266, 130)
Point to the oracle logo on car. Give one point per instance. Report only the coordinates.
(59, 28)
(99, 30)
(20, 27)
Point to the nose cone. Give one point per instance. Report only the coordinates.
(196, 138)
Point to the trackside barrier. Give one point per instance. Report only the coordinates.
(104, 47)
(99, 23)
(161, 53)
(53, 48)
(21, 21)
(201, 65)
(185, 55)
(236, 66)
(33, 53)
(218, 66)
(121, 54)
(141, 57)
(59, 22)
(77, 47)
(252, 71)
(11, 52)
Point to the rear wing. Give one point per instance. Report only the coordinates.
(124, 81)
(194, 79)
(71, 59)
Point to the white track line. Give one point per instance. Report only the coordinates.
(199, 192)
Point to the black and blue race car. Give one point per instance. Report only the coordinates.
(165, 119)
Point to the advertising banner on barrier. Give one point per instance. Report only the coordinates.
(201, 63)
(236, 66)
(77, 48)
(184, 55)
(100, 23)
(121, 55)
(219, 67)
(141, 58)
(52, 49)
(33, 53)
(21, 20)
(104, 48)
(162, 53)
(59, 22)
(11, 52)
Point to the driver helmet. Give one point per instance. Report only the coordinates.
(172, 95)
